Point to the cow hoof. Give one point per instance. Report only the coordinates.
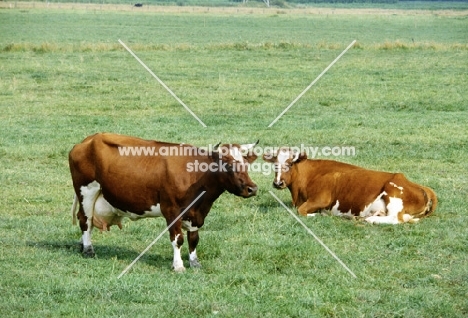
(372, 219)
(195, 264)
(88, 251)
(179, 269)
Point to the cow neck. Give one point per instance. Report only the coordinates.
(296, 184)
(212, 182)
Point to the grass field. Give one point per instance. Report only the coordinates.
(399, 96)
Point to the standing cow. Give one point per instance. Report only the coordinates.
(116, 176)
(342, 189)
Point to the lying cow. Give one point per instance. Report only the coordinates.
(111, 184)
(342, 189)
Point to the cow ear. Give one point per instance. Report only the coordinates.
(269, 157)
(299, 156)
(251, 158)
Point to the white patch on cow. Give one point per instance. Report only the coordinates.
(103, 209)
(193, 256)
(94, 204)
(194, 263)
(154, 212)
(236, 154)
(407, 218)
(399, 188)
(283, 156)
(187, 225)
(334, 210)
(177, 264)
(90, 194)
(394, 207)
(375, 207)
(86, 238)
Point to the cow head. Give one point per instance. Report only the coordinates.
(233, 161)
(283, 159)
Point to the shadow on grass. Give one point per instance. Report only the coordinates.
(272, 205)
(107, 252)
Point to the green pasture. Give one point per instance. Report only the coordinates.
(399, 96)
(281, 4)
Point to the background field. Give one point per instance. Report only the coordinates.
(399, 97)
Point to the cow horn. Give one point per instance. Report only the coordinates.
(246, 147)
(215, 148)
(296, 156)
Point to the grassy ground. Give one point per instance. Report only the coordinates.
(399, 97)
(276, 4)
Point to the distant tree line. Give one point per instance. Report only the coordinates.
(366, 1)
(342, 1)
(354, 1)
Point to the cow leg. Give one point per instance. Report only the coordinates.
(394, 215)
(309, 207)
(87, 249)
(193, 238)
(177, 239)
(90, 194)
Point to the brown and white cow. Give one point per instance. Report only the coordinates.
(111, 183)
(338, 188)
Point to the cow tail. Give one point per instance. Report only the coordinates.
(74, 208)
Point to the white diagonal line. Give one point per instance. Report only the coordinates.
(311, 84)
(160, 235)
(162, 83)
(312, 233)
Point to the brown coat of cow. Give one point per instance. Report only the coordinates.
(110, 185)
(348, 190)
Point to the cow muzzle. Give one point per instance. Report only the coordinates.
(251, 191)
(248, 191)
(279, 184)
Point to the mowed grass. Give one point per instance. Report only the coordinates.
(399, 97)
